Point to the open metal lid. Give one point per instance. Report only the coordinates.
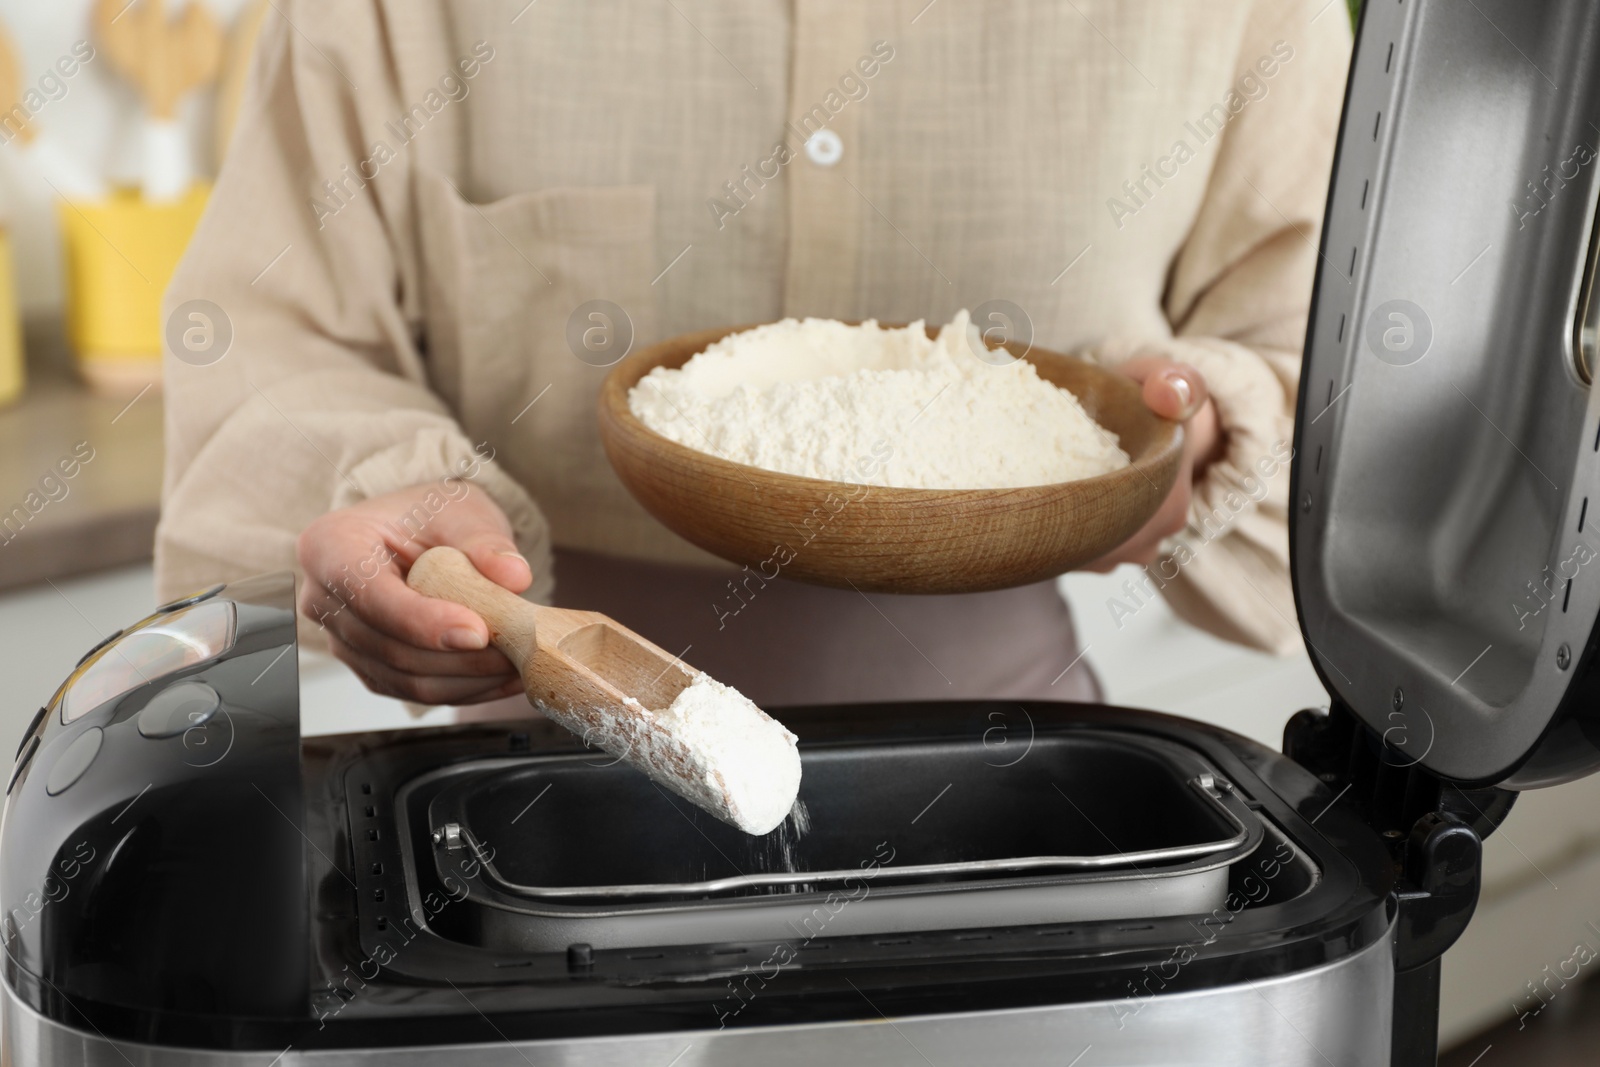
(1445, 531)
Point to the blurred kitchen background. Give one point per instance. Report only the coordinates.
(109, 143)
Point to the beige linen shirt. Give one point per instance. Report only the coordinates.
(421, 194)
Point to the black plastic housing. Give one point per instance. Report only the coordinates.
(164, 890)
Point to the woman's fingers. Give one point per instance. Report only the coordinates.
(384, 679)
(1174, 391)
(398, 641)
(1144, 547)
(477, 527)
(357, 571)
(392, 607)
(498, 560)
(365, 639)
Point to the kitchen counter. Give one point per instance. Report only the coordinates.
(105, 514)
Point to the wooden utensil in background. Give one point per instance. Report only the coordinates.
(602, 681)
(70, 179)
(164, 59)
(886, 540)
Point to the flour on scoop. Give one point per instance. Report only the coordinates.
(864, 404)
(734, 757)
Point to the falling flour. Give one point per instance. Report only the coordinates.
(775, 852)
(728, 756)
(869, 405)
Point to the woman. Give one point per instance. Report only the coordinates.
(427, 203)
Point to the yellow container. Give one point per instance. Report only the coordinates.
(11, 354)
(120, 255)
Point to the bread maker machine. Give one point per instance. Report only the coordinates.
(186, 880)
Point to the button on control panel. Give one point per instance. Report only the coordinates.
(73, 761)
(178, 709)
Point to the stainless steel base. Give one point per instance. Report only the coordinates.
(1339, 1014)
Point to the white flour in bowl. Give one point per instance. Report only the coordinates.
(868, 405)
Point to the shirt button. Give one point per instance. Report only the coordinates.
(824, 147)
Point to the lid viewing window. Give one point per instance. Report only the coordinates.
(168, 644)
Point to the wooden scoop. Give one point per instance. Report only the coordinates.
(614, 689)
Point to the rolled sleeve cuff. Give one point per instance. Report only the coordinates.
(1232, 557)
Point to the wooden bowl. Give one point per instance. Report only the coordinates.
(886, 540)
